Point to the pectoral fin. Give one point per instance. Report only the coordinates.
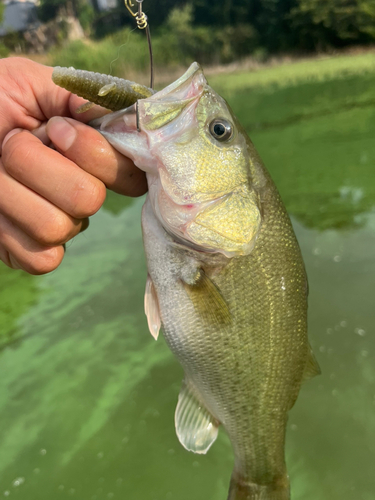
(312, 367)
(152, 309)
(196, 428)
(208, 300)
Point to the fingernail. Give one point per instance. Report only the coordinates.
(61, 132)
(10, 134)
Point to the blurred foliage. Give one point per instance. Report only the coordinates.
(81, 9)
(4, 51)
(220, 32)
(49, 9)
(322, 23)
(181, 40)
(86, 15)
(294, 24)
(12, 41)
(118, 54)
(178, 42)
(2, 9)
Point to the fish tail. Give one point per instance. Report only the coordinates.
(244, 490)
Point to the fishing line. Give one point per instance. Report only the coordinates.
(118, 51)
(142, 24)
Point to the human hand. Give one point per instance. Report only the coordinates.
(46, 195)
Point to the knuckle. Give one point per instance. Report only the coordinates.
(55, 231)
(45, 262)
(88, 200)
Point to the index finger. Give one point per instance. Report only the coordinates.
(30, 97)
(87, 148)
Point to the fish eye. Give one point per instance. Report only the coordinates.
(221, 129)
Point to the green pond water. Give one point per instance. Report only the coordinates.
(87, 397)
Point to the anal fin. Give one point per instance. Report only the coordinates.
(152, 309)
(196, 428)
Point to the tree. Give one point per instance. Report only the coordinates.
(81, 9)
(2, 9)
(334, 22)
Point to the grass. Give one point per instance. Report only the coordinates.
(120, 54)
(294, 73)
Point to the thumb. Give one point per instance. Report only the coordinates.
(61, 132)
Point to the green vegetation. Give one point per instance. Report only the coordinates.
(322, 23)
(175, 44)
(119, 54)
(292, 74)
(216, 32)
(51, 9)
(228, 30)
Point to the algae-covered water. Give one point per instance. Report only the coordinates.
(87, 397)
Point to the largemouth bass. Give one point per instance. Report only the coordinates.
(226, 278)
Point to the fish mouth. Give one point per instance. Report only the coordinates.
(159, 109)
(135, 130)
(164, 107)
(127, 120)
(190, 84)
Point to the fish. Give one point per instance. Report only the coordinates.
(226, 279)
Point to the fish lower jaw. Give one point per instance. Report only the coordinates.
(180, 234)
(181, 229)
(181, 238)
(180, 219)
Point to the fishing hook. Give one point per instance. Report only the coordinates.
(142, 23)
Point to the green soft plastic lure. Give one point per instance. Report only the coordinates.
(108, 91)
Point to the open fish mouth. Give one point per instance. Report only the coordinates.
(163, 116)
(159, 109)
